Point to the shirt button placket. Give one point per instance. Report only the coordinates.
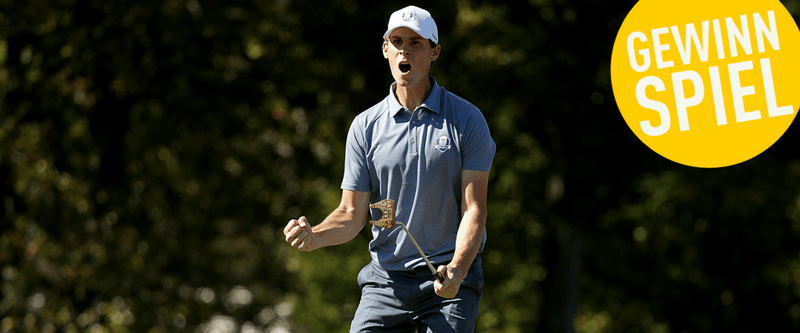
(412, 133)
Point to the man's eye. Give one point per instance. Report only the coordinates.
(415, 43)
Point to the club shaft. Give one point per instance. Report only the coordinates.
(433, 270)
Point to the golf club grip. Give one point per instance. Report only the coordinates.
(439, 276)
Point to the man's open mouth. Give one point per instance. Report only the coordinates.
(405, 68)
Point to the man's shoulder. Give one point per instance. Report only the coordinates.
(372, 114)
(459, 106)
(457, 100)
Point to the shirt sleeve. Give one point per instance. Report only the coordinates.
(478, 147)
(356, 166)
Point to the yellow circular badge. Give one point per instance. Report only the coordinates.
(707, 83)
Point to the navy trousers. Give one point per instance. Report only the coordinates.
(405, 302)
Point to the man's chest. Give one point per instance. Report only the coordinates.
(420, 146)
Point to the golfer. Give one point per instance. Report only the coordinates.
(430, 151)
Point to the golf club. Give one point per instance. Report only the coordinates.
(388, 221)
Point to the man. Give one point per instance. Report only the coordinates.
(430, 151)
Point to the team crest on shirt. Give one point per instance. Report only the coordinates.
(443, 143)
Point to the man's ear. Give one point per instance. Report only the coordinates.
(435, 53)
(385, 49)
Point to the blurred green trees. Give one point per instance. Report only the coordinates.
(152, 151)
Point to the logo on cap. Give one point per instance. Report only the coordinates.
(408, 16)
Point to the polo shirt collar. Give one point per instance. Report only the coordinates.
(431, 103)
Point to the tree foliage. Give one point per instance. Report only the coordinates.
(152, 151)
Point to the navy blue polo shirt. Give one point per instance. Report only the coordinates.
(416, 157)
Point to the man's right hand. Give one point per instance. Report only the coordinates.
(299, 234)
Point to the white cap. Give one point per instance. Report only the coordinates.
(416, 19)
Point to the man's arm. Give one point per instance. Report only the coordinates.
(474, 186)
(342, 225)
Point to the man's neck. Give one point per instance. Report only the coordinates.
(412, 97)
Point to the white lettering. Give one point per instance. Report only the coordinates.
(769, 88)
(645, 53)
(681, 102)
(716, 93)
(662, 109)
(742, 36)
(658, 48)
(762, 31)
(718, 39)
(739, 92)
(685, 49)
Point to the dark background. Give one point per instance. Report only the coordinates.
(152, 151)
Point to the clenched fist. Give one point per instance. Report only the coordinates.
(299, 234)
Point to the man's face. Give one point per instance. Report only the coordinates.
(409, 56)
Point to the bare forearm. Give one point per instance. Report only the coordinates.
(341, 226)
(468, 240)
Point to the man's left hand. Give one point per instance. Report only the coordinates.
(452, 282)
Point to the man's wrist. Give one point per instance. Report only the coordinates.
(457, 272)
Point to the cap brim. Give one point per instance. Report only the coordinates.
(389, 32)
